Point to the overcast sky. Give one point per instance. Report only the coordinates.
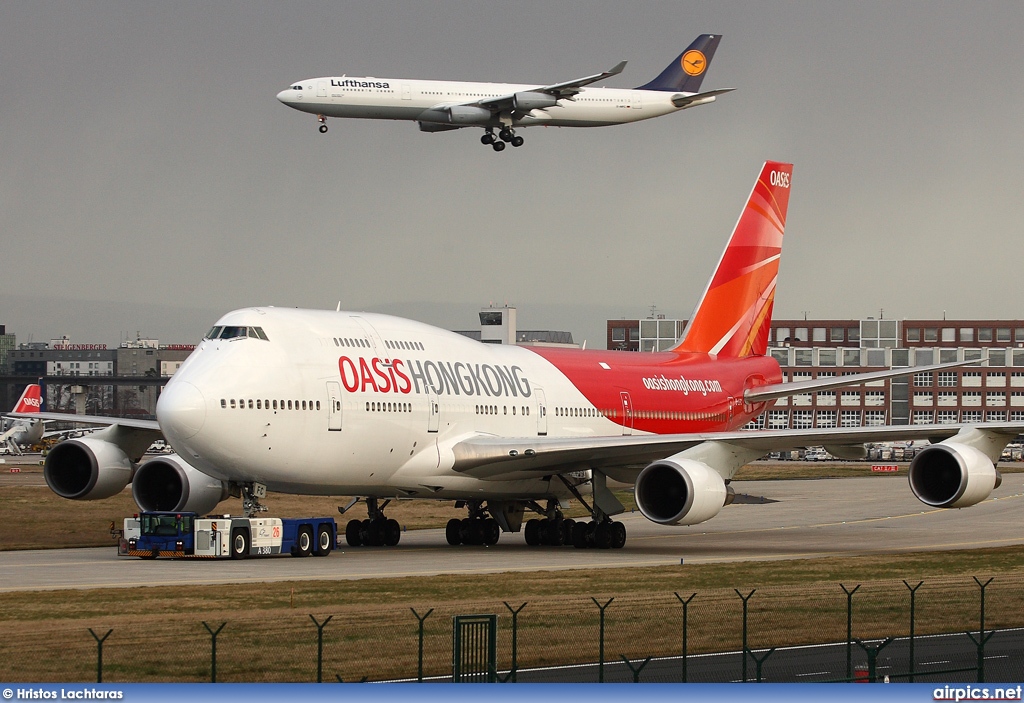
(150, 181)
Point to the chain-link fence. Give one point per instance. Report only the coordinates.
(950, 629)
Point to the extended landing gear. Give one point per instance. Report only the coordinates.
(376, 531)
(477, 529)
(323, 124)
(558, 531)
(251, 495)
(505, 136)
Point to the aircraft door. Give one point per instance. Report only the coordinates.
(433, 413)
(542, 411)
(321, 89)
(638, 101)
(406, 91)
(627, 413)
(333, 406)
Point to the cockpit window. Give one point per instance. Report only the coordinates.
(296, 87)
(237, 333)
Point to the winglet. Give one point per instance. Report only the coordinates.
(616, 70)
(734, 315)
(686, 73)
(31, 399)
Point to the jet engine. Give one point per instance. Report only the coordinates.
(87, 469)
(457, 114)
(527, 100)
(170, 484)
(951, 475)
(680, 491)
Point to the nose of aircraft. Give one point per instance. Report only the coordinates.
(181, 411)
(284, 96)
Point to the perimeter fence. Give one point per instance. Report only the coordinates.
(944, 629)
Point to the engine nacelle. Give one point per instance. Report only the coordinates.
(457, 114)
(678, 491)
(170, 484)
(87, 469)
(951, 475)
(527, 100)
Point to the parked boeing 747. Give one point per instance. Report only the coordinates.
(319, 402)
(439, 106)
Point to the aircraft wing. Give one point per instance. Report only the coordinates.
(557, 90)
(785, 390)
(623, 457)
(684, 100)
(92, 420)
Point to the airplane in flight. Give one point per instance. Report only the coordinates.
(23, 432)
(325, 402)
(439, 106)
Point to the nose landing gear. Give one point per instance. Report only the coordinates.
(323, 124)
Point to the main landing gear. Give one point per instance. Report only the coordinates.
(506, 135)
(558, 531)
(376, 531)
(477, 529)
(323, 124)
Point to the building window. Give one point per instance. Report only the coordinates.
(826, 357)
(802, 357)
(914, 334)
(836, 335)
(1003, 334)
(984, 334)
(996, 400)
(851, 357)
(818, 334)
(947, 356)
(850, 418)
(970, 416)
(971, 399)
(923, 417)
(922, 399)
(924, 357)
(802, 420)
(997, 357)
(826, 418)
(924, 379)
(995, 416)
(947, 398)
(781, 356)
(618, 334)
(874, 398)
(874, 418)
(947, 417)
(948, 334)
(782, 334)
(971, 379)
(778, 419)
(827, 398)
(851, 398)
(966, 334)
(996, 380)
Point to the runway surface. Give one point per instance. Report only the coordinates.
(809, 518)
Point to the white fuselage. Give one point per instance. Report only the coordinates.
(401, 99)
(342, 403)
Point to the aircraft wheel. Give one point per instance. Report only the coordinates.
(323, 129)
(516, 141)
(505, 135)
(371, 533)
(567, 527)
(471, 531)
(352, 533)
(392, 533)
(239, 543)
(618, 535)
(324, 541)
(452, 532)
(304, 542)
(532, 532)
(487, 138)
(552, 532)
(579, 535)
(603, 535)
(491, 531)
(498, 146)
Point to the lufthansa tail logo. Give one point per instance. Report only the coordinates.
(693, 62)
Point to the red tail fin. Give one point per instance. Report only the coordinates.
(734, 315)
(31, 400)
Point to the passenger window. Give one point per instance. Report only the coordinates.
(259, 404)
(232, 402)
(223, 403)
(250, 405)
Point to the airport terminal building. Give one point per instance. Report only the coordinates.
(992, 391)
